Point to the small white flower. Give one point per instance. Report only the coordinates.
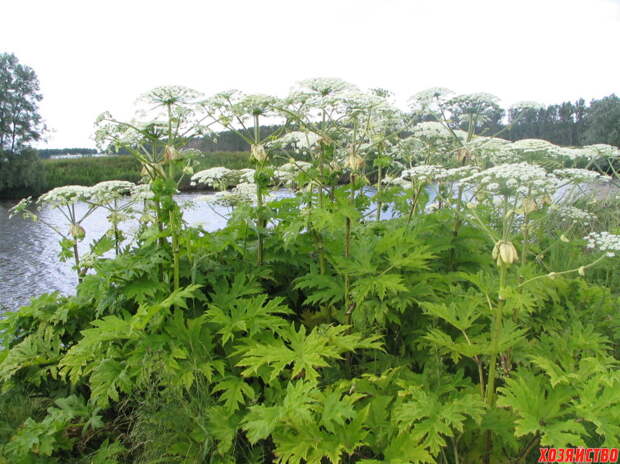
(142, 192)
(425, 173)
(288, 172)
(571, 214)
(527, 105)
(604, 241)
(577, 175)
(247, 175)
(431, 129)
(298, 140)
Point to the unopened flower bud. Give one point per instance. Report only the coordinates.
(258, 153)
(77, 232)
(354, 161)
(529, 206)
(463, 154)
(188, 170)
(504, 252)
(582, 271)
(564, 239)
(171, 153)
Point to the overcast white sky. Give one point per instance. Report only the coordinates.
(92, 56)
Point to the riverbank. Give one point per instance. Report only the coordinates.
(92, 170)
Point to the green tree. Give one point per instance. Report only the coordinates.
(21, 173)
(603, 121)
(20, 122)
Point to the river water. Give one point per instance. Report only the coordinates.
(29, 264)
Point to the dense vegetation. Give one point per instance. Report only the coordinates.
(89, 171)
(21, 173)
(25, 175)
(460, 307)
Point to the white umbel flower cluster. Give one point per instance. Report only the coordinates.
(425, 173)
(244, 193)
(65, 196)
(603, 150)
(577, 175)
(526, 105)
(533, 146)
(405, 184)
(142, 192)
(430, 99)
(247, 175)
(456, 174)
(605, 242)
(298, 140)
(518, 179)
(477, 99)
(219, 177)
(431, 129)
(572, 215)
(287, 173)
(109, 190)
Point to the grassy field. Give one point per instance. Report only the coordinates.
(89, 171)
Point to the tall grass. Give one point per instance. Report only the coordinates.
(89, 171)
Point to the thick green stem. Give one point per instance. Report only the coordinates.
(318, 237)
(415, 194)
(455, 233)
(76, 257)
(261, 222)
(526, 237)
(116, 240)
(348, 306)
(495, 335)
(379, 204)
(115, 229)
(175, 249)
(261, 226)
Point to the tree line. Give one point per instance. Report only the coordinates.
(570, 123)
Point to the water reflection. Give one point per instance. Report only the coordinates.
(29, 264)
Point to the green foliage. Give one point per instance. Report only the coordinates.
(243, 367)
(24, 174)
(20, 122)
(89, 171)
(21, 173)
(306, 332)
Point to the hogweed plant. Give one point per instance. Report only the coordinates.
(65, 200)
(167, 118)
(243, 114)
(450, 331)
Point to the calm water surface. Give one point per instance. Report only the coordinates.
(29, 264)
